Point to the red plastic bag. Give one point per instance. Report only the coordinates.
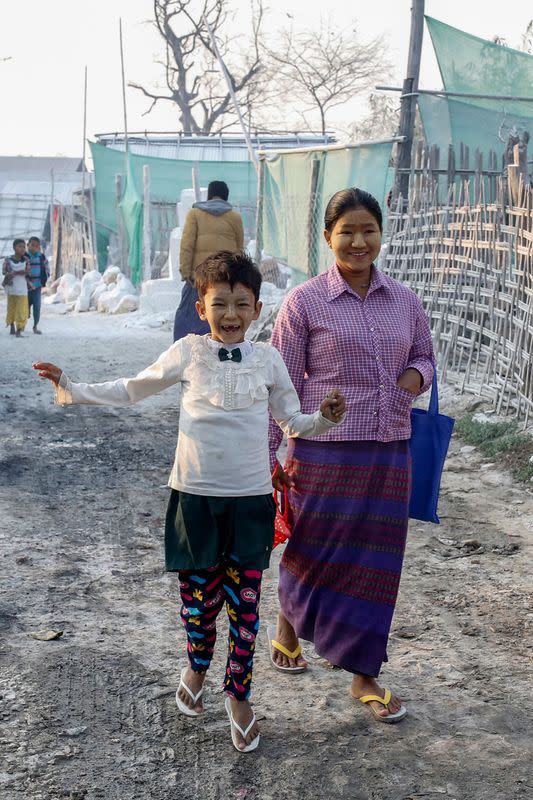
(282, 528)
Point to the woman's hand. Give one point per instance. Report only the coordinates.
(411, 380)
(333, 406)
(280, 478)
(49, 371)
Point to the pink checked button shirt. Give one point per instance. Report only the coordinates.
(330, 338)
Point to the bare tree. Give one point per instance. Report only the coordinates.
(381, 121)
(327, 68)
(192, 75)
(527, 38)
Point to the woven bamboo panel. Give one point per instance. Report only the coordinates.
(472, 266)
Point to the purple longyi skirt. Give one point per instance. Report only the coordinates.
(341, 569)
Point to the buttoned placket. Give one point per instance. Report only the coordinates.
(229, 386)
(380, 411)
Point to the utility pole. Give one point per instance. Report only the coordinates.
(408, 102)
(126, 143)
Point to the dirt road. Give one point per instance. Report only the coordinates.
(92, 714)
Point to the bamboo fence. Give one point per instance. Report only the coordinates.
(470, 262)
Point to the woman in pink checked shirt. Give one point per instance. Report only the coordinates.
(359, 330)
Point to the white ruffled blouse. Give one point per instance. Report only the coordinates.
(222, 445)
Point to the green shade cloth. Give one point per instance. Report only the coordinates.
(168, 177)
(131, 207)
(470, 64)
(287, 194)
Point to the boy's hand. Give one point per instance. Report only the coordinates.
(49, 371)
(280, 478)
(333, 406)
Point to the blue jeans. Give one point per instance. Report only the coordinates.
(34, 301)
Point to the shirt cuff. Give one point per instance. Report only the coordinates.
(328, 423)
(63, 393)
(426, 368)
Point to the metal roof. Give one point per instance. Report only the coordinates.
(37, 166)
(208, 148)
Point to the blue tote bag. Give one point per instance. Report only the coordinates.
(430, 438)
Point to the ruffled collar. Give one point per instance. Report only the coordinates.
(202, 350)
(227, 384)
(245, 347)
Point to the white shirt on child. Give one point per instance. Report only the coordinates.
(222, 448)
(18, 287)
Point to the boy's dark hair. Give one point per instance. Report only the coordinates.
(346, 199)
(217, 189)
(18, 241)
(227, 267)
(34, 239)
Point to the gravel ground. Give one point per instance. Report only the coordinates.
(92, 714)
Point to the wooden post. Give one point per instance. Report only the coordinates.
(147, 232)
(434, 166)
(92, 190)
(478, 176)
(53, 243)
(196, 183)
(521, 147)
(493, 166)
(451, 166)
(121, 242)
(312, 254)
(126, 143)
(408, 101)
(259, 211)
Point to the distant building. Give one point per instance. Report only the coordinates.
(28, 186)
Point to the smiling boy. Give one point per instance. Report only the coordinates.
(220, 519)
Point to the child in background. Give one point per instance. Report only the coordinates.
(17, 283)
(220, 520)
(39, 274)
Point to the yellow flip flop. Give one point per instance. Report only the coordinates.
(385, 700)
(272, 643)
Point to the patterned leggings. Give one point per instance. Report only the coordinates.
(203, 593)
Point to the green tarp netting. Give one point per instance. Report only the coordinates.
(292, 226)
(470, 64)
(167, 179)
(131, 207)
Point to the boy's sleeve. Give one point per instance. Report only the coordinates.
(289, 337)
(285, 406)
(165, 372)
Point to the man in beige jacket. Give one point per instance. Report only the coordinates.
(210, 226)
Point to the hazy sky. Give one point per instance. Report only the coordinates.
(51, 41)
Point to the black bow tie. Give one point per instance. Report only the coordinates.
(230, 355)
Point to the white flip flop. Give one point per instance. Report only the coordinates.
(189, 712)
(235, 727)
(272, 643)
